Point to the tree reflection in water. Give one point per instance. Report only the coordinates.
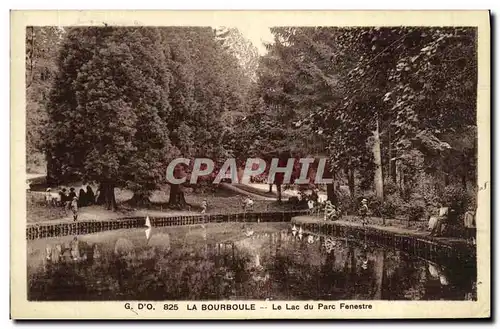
(278, 266)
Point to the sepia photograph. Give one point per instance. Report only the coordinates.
(224, 164)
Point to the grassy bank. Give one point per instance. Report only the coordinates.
(220, 201)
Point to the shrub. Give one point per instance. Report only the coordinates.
(416, 211)
(394, 205)
(388, 209)
(425, 188)
(390, 187)
(457, 199)
(374, 204)
(455, 196)
(348, 205)
(416, 208)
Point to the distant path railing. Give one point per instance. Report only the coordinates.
(47, 230)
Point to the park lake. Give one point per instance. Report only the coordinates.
(234, 261)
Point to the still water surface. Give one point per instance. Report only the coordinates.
(233, 261)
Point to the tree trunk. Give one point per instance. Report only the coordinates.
(352, 255)
(101, 195)
(177, 199)
(397, 168)
(110, 197)
(464, 182)
(379, 180)
(350, 181)
(393, 171)
(464, 172)
(107, 195)
(392, 164)
(51, 180)
(54, 176)
(330, 193)
(330, 188)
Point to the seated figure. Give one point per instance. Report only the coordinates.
(330, 211)
(436, 222)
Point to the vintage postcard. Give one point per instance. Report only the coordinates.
(250, 164)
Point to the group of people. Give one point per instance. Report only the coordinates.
(333, 212)
(74, 251)
(246, 204)
(438, 224)
(71, 200)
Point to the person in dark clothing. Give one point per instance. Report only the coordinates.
(90, 195)
(82, 198)
(64, 197)
(72, 194)
(314, 195)
(71, 197)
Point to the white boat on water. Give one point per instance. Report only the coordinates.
(148, 225)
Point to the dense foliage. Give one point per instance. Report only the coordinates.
(385, 104)
(393, 109)
(126, 101)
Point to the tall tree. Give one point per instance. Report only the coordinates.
(207, 91)
(363, 88)
(42, 44)
(108, 110)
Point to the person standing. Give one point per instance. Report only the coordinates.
(72, 193)
(204, 206)
(71, 196)
(90, 196)
(363, 211)
(63, 197)
(82, 198)
(74, 208)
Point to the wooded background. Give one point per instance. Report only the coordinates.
(393, 109)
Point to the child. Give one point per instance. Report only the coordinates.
(74, 208)
(363, 211)
(247, 203)
(204, 206)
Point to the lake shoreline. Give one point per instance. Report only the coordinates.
(443, 250)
